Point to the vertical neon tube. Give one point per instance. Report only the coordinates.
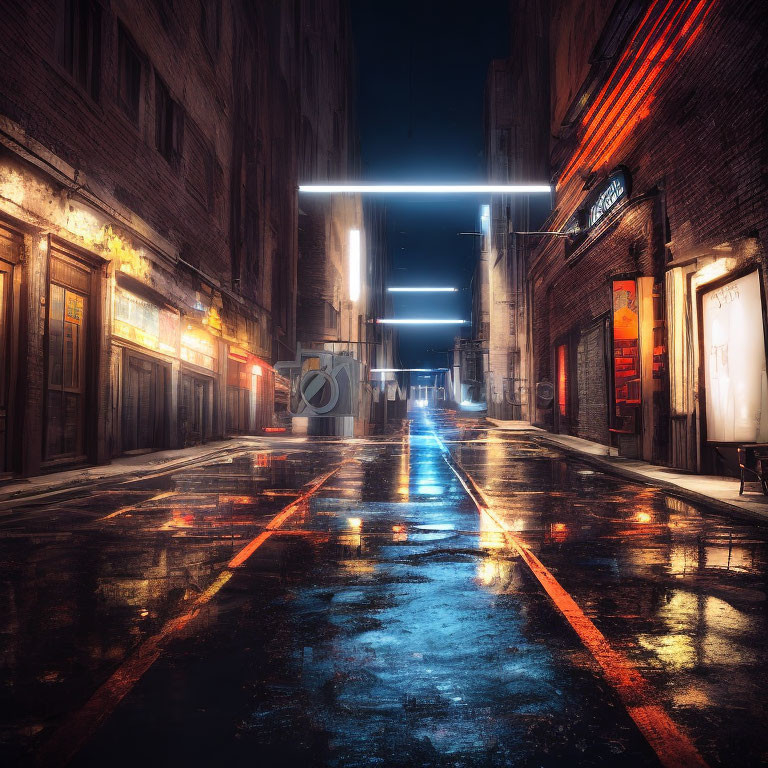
(354, 264)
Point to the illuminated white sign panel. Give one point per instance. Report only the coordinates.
(354, 264)
(736, 388)
(424, 189)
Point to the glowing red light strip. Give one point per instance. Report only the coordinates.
(641, 114)
(610, 128)
(604, 122)
(639, 107)
(597, 102)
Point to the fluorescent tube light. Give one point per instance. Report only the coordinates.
(421, 290)
(418, 321)
(425, 189)
(354, 264)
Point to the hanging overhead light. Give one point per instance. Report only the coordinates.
(354, 264)
(408, 370)
(419, 321)
(416, 289)
(425, 189)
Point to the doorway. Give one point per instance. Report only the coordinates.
(11, 245)
(67, 332)
(145, 387)
(193, 414)
(238, 398)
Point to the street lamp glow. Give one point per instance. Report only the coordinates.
(354, 264)
(419, 321)
(414, 289)
(425, 189)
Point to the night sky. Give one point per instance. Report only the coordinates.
(421, 69)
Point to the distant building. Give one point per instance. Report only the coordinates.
(516, 109)
(340, 278)
(148, 220)
(647, 310)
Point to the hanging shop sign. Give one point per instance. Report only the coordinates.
(614, 190)
(626, 356)
(735, 382)
(199, 348)
(144, 323)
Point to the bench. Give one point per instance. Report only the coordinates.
(753, 460)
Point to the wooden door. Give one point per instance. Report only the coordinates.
(65, 406)
(193, 412)
(143, 405)
(5, 319)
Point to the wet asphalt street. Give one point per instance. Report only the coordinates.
(345, 603)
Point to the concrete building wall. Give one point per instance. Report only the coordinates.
(516, 150)
(329, 315)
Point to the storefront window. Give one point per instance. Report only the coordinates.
(626, 356)
(145, 323)
(736, 389)
(198, 348)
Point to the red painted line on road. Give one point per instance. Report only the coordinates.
(137, 505)
(672, 746)
(71, 736)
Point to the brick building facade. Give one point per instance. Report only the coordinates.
(336, 310)
(516, 107)
(149, 157)
(648, 309)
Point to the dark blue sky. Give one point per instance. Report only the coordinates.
(421, 68)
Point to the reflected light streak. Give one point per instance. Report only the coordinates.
(491, 535)
(405, 467)
(399, 533)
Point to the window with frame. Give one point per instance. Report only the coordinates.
(331, 317)
(169, 124)
(80, 51)
(129, 74)
(199, 168)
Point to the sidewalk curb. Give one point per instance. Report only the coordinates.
(8, 500)
(676, 490)
(613, 466)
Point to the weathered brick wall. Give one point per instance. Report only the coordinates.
(700, 154)
(327, 153)
(97, 137)
(212, 230)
